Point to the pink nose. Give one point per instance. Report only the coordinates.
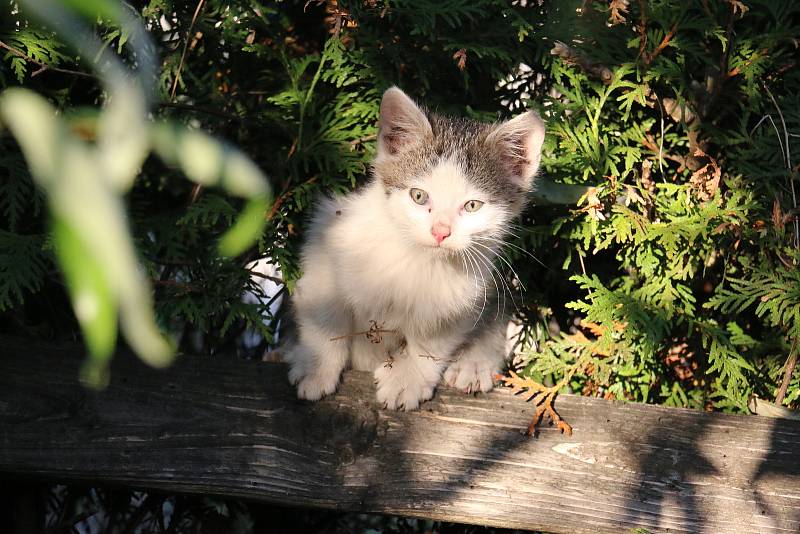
(440, 232)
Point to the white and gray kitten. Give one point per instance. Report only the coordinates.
(410, 256)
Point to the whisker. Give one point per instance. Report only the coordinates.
(496, 286)
(500, 274)
(504, 243)
(483, 306)
(504, 260)
(464, 263)
(470, 272)
(518, 227)
(498, 292)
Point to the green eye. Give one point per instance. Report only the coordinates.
(419, 196)
(473, 205)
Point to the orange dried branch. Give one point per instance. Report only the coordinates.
(544, 397)
(461, 58)
(662, 45)
(617, 9)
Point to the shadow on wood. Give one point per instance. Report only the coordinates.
(234, 428)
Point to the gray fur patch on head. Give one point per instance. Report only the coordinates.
(500, 159)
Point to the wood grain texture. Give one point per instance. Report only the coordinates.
(234, 428)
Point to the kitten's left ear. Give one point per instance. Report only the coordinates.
(519, 143)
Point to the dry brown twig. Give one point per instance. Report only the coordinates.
(544, 397)
(705, 180)
(648, 58)
(461, 58)
(337, 16)
(374, 334)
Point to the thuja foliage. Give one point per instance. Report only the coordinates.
(672, 280)
(683, 118)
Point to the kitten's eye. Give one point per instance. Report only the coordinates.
(473, 205)
(419, 196)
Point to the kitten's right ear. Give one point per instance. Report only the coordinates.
(402, 123)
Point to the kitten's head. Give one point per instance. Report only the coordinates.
(453, 182)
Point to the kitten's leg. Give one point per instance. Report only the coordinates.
(475, 365)
(408, 378)
(316, 362)
(366, 355)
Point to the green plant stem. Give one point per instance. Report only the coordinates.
(307, 98)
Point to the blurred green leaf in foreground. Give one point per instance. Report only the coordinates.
(84, 182)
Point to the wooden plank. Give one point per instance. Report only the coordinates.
(234, 428)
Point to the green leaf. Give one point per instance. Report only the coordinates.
(94, 9)
(93, 300)
(247, 228)
(33, 122)
(208, 161)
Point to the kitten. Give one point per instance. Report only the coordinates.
(398, 276)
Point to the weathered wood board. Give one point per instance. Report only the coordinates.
(234, 428)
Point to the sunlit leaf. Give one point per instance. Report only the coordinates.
(247, 228)
(31, 119)
(92, 9)
(208, 161)
(123, 137)
(92, 299)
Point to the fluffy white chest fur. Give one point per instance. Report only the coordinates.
(385, 278)
(409, 258)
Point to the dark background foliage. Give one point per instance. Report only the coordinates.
(673, 280)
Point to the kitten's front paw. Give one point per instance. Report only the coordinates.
(312, 386)
(401, 389)
(470, 375)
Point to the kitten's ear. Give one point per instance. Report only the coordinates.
(402, 124)
(519, 143)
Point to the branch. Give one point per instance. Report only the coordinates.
(283, 196)
(185, 48)
(787, 157)
(184, 286)
(642, 28)
(275, 279)
(199, 109)
(791, 362)
(648, 58)
(547, 192)
(42, 66)
(542, 396)
(374, 334)
(574, 57)
(355, 142)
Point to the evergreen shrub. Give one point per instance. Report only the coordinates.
(674, 277)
